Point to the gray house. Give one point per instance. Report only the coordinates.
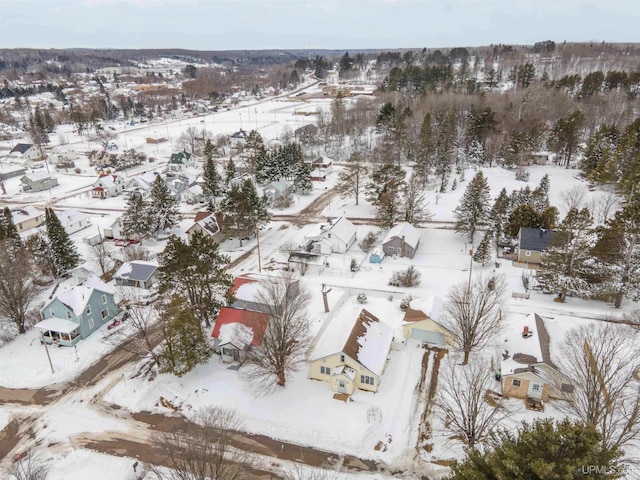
(402, 240)
(137, 273)
(532, 242)
(37, 182)
(76, 313)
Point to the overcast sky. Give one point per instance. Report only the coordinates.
(295, 24)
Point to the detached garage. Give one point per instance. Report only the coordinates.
(422, 327)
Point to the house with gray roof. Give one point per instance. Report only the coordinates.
(137, 273)
(532, 242)
(402, 240)
(37, 182)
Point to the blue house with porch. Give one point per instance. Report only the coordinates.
(76, 313)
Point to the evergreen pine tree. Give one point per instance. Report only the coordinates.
(185, 345)
(618, 253)
(540, 450)
(302, 178)
(483, 255)
(567, 263)
(162, 209)
(64, 252)
(210, 175)
(473, 210)
(197, 272)
(137, 223)
(499, 215)
(230, 172)
(8, 230)
(424, 152)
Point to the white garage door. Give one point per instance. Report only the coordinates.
(427, 337)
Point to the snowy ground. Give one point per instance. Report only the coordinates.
(305, 411)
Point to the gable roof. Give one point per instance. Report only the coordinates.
(19, 215)
(177, 158)
(71, 216)
(207, 222)
(21, 148)
(255, 321)
(520, 352)
(137, 270)
(76, 298)
(107, 180)
(36, 177)
(423, 308)
(410, 233)
(536, 239)
(343, 229)
(369, 342)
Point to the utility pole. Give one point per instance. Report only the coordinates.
(258, 242)
(46, 349)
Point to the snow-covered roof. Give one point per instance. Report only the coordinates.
(77, 298)
(364, 338)
(372, 342)
(139, 270)
(235, 333)
(195, 190)
(522, 351)
(71, 216)
(432, 306)
(95, 282)
(54, 324)
(37, 177)
(207, 223)
(410, 233)
(343, 229)
(107, 180)
(24, 213)
(348, 372)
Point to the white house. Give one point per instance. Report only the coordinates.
(353, 354)
(340, 234)
(38, 182)
(108, 186)
(73, 221)
(24, 153)
(27, 217)
(193, 194)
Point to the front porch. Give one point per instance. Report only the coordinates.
(59, 331)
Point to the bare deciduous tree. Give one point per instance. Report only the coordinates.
(193, 140)
(136, 252)
(604, 361)
(17, 288)
(574, 197)
(100, 254)
(416, 208)
(29, 467)
(285, 337)
(464, 397)
(603, 205)
(139, 333)
(473, 313)
(104, 138)
(300, 472)
(203, 451)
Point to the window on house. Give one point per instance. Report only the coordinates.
(51, 312)
(88, 310)
(535, 387)
(90, 321)
(366, 380)
(527, 253)
(342, 357)
(325, 370)
(328, 235)
(516, 383)
(104, 314)
(104, 299)
(227, 352)
(68, 314)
